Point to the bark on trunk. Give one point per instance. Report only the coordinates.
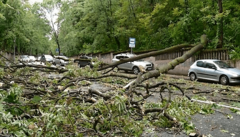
(220, 42)
(154, 53)
(175, 62)
(158, 71)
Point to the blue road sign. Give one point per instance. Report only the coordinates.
(132, 42)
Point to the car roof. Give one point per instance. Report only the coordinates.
(126, 54)
(47, 55)
(208, 60)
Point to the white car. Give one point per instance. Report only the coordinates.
(24, 58)
(61, 60)
(46, 58)
(32, 58)
(135, 66)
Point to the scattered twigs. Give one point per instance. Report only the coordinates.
(97, 92)
(65, 77)
(7, 59)
(125, 87)
(108, 70)
(210, 102)
(153, 110)
(60, 70)
(229, 99)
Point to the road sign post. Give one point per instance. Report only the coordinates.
(132, 42)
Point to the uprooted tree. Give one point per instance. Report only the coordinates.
(41, 100)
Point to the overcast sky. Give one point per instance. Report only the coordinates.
(33, 1)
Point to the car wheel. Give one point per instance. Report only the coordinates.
(224, 80)
(136, 70)
(193, 76)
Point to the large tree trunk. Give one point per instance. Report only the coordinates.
(175, 62)
(154, 53)
(170, 65)
(220, 42)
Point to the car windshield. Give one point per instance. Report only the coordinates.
(222, 64)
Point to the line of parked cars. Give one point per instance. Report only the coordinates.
(134, 66)
(56, 60)
(207, 69)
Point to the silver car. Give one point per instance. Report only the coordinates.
(46, 58)
(135, 66)
(61, 60)
(24, 58)
(32, 58)
(214, 70)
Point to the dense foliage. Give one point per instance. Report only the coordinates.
(90, 26)
(22, 27)
(106, 25)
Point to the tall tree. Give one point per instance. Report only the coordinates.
(49, 10)
(21, 27)
(220, 44)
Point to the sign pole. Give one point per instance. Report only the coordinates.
(132, 42)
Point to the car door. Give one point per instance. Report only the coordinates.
(121, 66)
(127, 65)
(200, 70)
(211, 72)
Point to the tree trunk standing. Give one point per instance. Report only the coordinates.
(57, 41)
(118, 42)
(55, 35)
(220, 42)
(188, 31)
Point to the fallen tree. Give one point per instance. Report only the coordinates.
(89, 102)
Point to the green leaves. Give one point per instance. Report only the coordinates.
(11, 98)
(36, 99)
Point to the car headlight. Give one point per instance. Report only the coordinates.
(235, 75)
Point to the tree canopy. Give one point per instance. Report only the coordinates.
(90, 26)
(20, 25)
(106, 25)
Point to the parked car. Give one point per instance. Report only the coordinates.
(84, 61)
(24, 58)
(62, 57)
(46, 58)
(32, 58)
(39, 58)
(61, 60)
(214, 70)
(135, 66)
